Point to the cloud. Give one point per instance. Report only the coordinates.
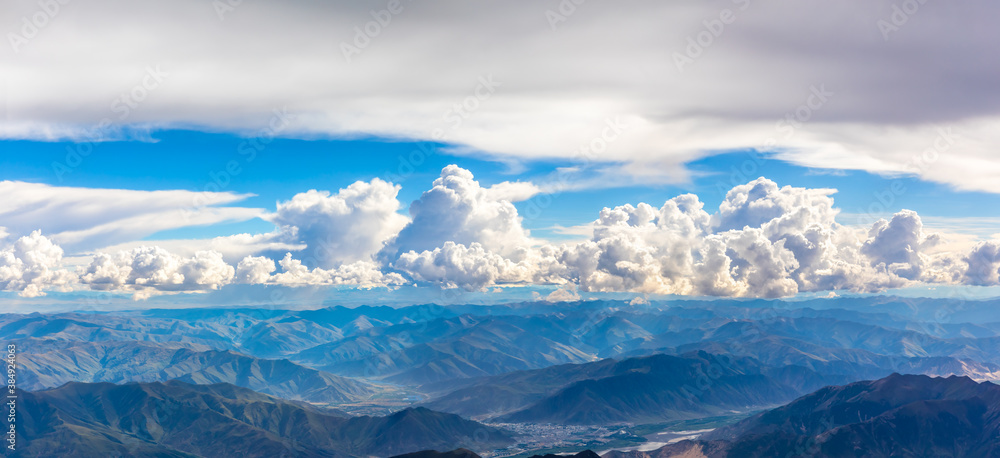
(457, 209)
(563, 294)
(85, 219)
(254, 269)
(678, 98)
(455, 265)
(151, 270)
(363, 274)
(349, 226)
(32, 265)
(513, 191)
(764, 240)
(761, 202)
(984, 264)
(233, 248)
(897, 244)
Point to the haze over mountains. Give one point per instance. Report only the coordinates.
(49, 364)
(589, 364)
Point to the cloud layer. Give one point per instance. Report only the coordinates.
(857, 82)
(81, 220)
(764, 240)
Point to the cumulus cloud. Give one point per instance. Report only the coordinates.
(32, 265)
(149, 270)
(984, 264)
(471, 267)
(457, 209)
(254, 270)
(764, 240)
(345, 227)
(565, 293)
(364, 274)
(896, 245)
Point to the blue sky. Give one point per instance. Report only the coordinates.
(197, 161)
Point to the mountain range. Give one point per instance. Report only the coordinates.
(49, 364)
(178, 419)
(99, 381)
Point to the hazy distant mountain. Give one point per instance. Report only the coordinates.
(180, 419)
(458, 347)
(571, 386)
(900, 415)
(787, 364)
(658, 388)
(48, 364)
(855, 364)
(421, 344)
(256, 331)
(500, 394)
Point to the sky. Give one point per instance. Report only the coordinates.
(218, 152)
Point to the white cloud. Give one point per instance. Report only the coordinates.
(984, 264)
(513, 191)
(471, 267)
(349, 226)
(85, 219)
(565, 293)
(32, 265)
(363, 274)
(898, 244)
(254, 269)
(149, 270)
(457, 209)
(763, 241)
(232, 247)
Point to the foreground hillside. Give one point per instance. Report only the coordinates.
(636, 390)
(177, 419)
(897, 416)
